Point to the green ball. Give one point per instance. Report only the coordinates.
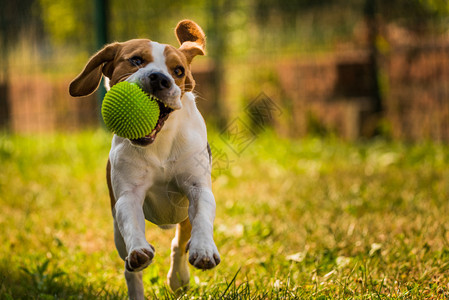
(128, 111)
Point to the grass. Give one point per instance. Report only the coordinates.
(306, 219)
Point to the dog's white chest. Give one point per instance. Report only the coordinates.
(151, 179)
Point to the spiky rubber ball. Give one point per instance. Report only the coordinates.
(128, 111)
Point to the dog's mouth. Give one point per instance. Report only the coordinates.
(163, 116)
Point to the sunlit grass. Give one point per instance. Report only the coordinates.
(313, 218)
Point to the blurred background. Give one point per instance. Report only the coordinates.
(350, 68)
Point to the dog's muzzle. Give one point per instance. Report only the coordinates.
(160, 86)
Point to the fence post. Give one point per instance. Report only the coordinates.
(372, 25)
(217, 43)
(102, 37)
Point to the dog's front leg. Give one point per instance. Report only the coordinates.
(203, 253)
(130, 221)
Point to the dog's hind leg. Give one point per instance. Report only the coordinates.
(133, 279)
(135, 285)
(178, 276)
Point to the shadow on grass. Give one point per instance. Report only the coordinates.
(40, 281)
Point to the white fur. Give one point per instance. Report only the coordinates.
(165, 183)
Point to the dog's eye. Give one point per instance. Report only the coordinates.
(179, 71)
(136, 60)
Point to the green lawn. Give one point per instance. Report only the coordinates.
(312, 218)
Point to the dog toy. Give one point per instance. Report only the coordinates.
(128, 111)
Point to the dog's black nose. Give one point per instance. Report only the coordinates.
(159, 81)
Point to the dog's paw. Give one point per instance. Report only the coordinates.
(203, 254)
(140, 258)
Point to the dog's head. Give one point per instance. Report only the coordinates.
(159, 69)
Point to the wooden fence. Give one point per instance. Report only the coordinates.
(329, 94)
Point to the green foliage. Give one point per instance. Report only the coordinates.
(312, 22)
(68, 21)
(151, 18)
(441, 7)
(315, 218)
(71, 22)
(43, 281)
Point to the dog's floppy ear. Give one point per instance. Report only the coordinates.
(192, 39)
(89, 79)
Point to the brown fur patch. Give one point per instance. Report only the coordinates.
(89, 79)
(189, 31)
(113, 62)
(121, 67)
(109, 181)
(192, 39)
(173, 59)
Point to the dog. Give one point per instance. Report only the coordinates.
(164, 177)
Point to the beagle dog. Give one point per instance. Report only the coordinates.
(163, 177)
